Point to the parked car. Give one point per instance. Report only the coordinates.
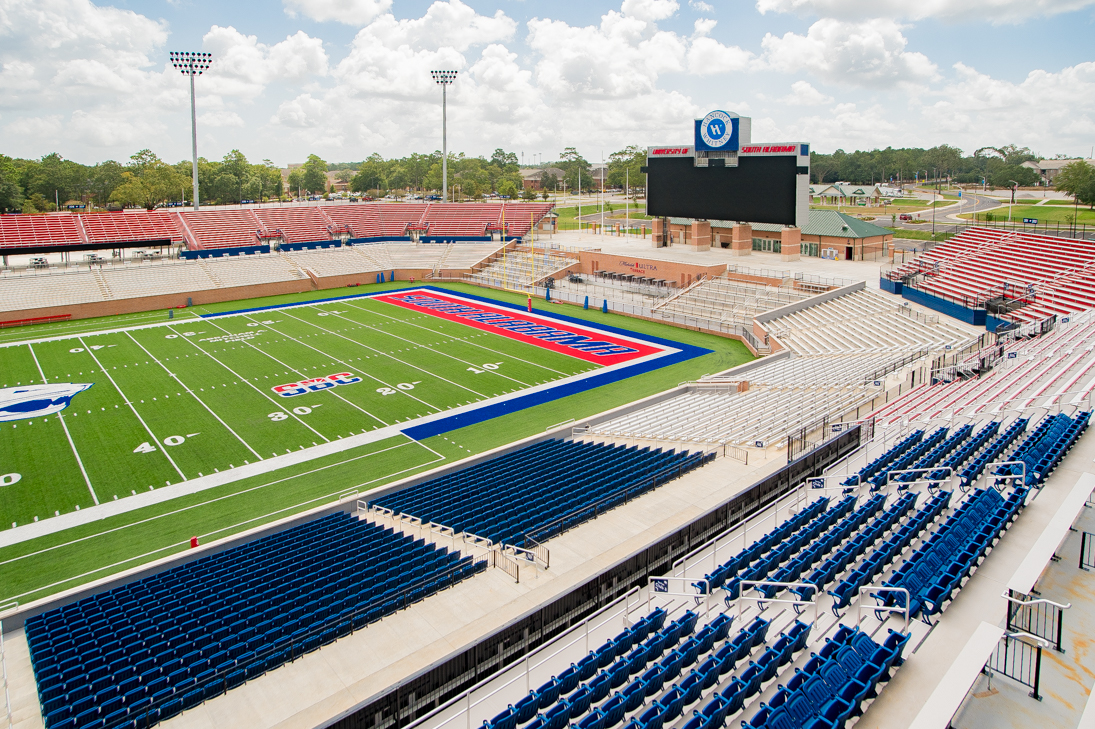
(904, 216)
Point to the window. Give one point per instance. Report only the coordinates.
(768, 245)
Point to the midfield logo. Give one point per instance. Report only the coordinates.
(315, 385)
(32, 401)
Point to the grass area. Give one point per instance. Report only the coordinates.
(1069, 203)
(38, 567)
(1042, 213)
(900, 233)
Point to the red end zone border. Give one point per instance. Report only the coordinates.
(588, 344)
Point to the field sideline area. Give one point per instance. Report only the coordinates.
(229, 416)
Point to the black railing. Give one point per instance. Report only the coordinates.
(1037, 617)
(1018, 660)
(289, 648)
(1087, 551)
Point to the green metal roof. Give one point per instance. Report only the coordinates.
(821, 222)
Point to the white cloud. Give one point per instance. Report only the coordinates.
(994, 11)
(701, 6)
(804, 94)
(870, 54)
(221, 119)
(350, 12)
(649, 10)
(703, 27)
(707, 56)
(243, 67)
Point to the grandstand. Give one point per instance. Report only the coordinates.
(725, 301)
(610, 570)
(1019, 276)
(517, 268)
(848, 354)
(212, 228)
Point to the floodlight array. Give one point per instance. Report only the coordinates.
(191, 64)
(444, 77)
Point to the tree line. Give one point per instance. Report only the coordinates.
(992, 166)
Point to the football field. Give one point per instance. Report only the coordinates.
(137, 433)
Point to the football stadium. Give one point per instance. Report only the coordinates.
(439, 465)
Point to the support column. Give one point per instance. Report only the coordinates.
(741, 243)
(657, 229)
(701, 235)
(790, 243)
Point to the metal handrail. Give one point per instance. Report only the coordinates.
(761, 598)
(1036, 601)
(882, 608)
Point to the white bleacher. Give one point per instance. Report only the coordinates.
(230, 271)
(767, 414)
(520, 268)
(154, 279)
(729, 301)
(466, 255)
(334, 261)
(867, 321)
(42, 290)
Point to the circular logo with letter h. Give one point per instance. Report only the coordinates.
(715, 129)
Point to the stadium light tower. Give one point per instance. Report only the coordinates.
(192, 64)
(444, 78)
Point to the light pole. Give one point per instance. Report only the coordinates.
(444, 78)
(1014, 186)
(192, 64)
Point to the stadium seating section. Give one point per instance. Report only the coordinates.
(1055, 369)
(1051, 275)
(220, 228)
(537, 486)
(150, 649)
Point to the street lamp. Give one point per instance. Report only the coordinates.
(192, 64)
(444, 78)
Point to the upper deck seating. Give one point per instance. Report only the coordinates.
(145, 225)
(222, 229)
(461, 219)
(297, 225)
(24, 231)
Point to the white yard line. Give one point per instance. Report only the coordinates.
(443, 354)
(390, 356)
(195, 396)
(61, 417)
(323, 497)
(303, 375)
(129, 503)
(159, 445)
(250, 384)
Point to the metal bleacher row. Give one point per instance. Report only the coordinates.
(841, 351)
(507, 497)
(1055, 275)
(910, 542)
(219, 228)
(143, 652)
(1054, 369)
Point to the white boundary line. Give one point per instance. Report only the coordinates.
(60, 416)
(390, 356)
(457, 339)
(323, 497)
(59, 523)
(191, 392)
(298, 372)
(159, 446)
(429, 347)
(252, 386)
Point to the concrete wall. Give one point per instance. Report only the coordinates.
(812, 301)
(680, 274)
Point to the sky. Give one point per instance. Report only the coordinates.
(348, 78)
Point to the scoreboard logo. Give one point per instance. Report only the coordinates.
(716, 128)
